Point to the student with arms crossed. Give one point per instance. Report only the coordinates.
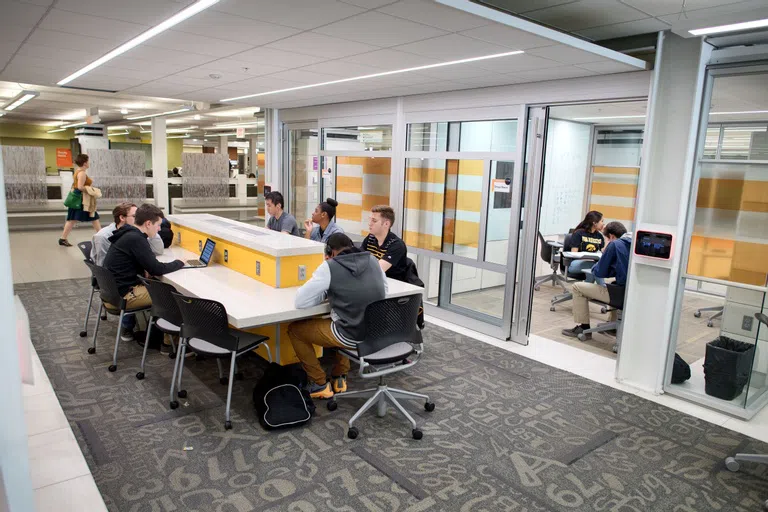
(351, 280)
(279, 219)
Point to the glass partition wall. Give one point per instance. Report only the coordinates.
(726, 249)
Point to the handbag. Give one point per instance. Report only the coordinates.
(74, 201)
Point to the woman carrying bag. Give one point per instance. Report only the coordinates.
(74, 201)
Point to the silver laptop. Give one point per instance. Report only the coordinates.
(205, 256)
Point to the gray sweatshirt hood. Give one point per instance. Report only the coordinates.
(356, 263)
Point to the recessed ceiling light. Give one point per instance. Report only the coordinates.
(197, 117)
(248, 124)
(147, 116)
(126, 132)
(20, 99)
(174, 130)
(376, 75)
(124, 111)
(733, 27)
(162, 27)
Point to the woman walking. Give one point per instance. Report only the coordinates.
(74, 202)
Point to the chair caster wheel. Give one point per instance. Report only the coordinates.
(536, 289)
(332, 405)
(582, 337)
(91, 350)
(603, 310)
(615, 348)
(224, 381)
(182, 393)
(172, 355)
(709, 324)
(429, 406)
(417, 434)
(552, 308)
(697, 314)
(239, 376)
(352, 433)
(140, 375)
(732, 464)
(227, 425)
(104, 317)
(83, 334)
(174, 405)
(112, 367)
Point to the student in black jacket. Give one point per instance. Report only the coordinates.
(130, 256)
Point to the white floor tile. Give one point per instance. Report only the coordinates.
(43, 414)
(55, 457)
(76, 495)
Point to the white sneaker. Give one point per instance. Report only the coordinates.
(126, 336)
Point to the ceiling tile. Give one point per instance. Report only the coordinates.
(540, 75)
(586, 14)
(203, 73)
(302, 77)
(15, 72)
(454, 72)
(662, 7)
(380, 30)
(565, 54)
(513, 38)
(74, 57)
(234, 28)
(202, 45)
(452, 47)
(111, 30)
(520, 6)
(608, 66)
(78, 42)
(753, 9)
(13, 33)
(144, 12)
(255, 86)
(368, 4)
(302, 14)
(42, 3)
(63, 67)
(515, 63)
(310, 43)
(160, 90)
(155, 54)
(391, 59)
(100, 80)
(433, 14)
(159, 67)
(233, 67)
(629, 28)
(21, 14)
(489, 81)
(341, 69)
(273, 57)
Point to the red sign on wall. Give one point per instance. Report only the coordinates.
(63, 157)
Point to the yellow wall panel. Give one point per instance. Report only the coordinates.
(351, 184)
(422, 240)
(289, 268)
(369, 201)
(427, 201)
(616, 170)
(614, 212)
(349, 212)
(614, 189)
(425, 175)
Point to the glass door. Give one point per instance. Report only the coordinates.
(301, 158)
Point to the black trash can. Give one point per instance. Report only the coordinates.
(727, 364)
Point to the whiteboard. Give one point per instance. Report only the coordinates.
(566, 167)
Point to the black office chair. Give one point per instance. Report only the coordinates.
(615, 301)
(392, 337)
(85, 248)
(718, 310)
(732, 463)
(205, 330)
(118, 306)
(164, 315)
(551, 252)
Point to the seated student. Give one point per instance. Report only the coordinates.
(323, 217)
(587, 237)
(350, 279)
(614, 263)
(165, 235)
(124, 213)
(130, 256)
(279, 219)
(386, 246)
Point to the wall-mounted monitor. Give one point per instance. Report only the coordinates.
(653, 244)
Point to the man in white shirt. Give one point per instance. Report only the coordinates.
(124, 213)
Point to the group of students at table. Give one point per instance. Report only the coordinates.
(592, 235)
(350, 278)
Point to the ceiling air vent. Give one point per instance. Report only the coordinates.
(86, 89)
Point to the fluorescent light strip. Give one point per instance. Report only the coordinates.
(169, 23)
(233, 134)
(65, 127)
(174, 130)
(248, 124)
(147, 116)
(607, 117)
(729, 28)
(384, 73)
(185, 136)
(56, 131)
(735, 113)
(19, 102)
(120, 133)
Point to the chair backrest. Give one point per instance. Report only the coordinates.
(107, 285)
(85, 248)
(205, 319)
(390, 321)
(616, 295)
(545, 250)
(163, 304)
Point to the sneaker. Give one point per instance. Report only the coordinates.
(574, 333)
(64, 242)
(339, 383)
(127, 336)
(320, 391)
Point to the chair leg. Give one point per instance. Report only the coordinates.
(84, 332)
(365, 393)
(140, 375)
(227, 423)
(92, 349)
(269, 352)
(408, 395)
(182, 392)
(400, 408)
(222, 379)
(117, 341)
(173, 402)
(378, 395)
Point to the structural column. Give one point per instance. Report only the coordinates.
(160, 164)
(664, 191)
(224, 145)
(272, 151)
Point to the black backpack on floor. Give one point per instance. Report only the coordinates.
(281, 399)
(681, 371)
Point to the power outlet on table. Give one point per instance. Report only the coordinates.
(302, 272)
(746, 323)
(226, 256)
(258, 268)
(200, 245)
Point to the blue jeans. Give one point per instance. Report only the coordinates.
(578, 266)
(129, 322)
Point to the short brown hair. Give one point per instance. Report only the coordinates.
(121, 210)
(148, 212)
(81, 160)
(386, 212)
(615, 228)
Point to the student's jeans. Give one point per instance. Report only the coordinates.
(579, 266)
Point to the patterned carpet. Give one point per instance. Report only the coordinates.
(508, 434)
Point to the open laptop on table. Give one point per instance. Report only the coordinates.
(205, 256)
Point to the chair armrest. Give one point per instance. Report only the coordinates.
(554, 244)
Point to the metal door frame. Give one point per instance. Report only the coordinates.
(287, 177)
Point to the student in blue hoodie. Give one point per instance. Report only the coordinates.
(613, 263)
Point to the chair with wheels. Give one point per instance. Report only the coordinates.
(732, 463)
(205, 330)
(85, 248)
(391, 340)
(164, 315)
(615, 301)
(718, 313)
(569, 276)
(551, 252)
(117, 306)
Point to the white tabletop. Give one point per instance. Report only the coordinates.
(582, 255)
(249, 303)
(253, 237)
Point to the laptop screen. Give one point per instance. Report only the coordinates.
(205, 257)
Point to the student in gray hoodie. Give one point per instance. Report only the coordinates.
(350, 279)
